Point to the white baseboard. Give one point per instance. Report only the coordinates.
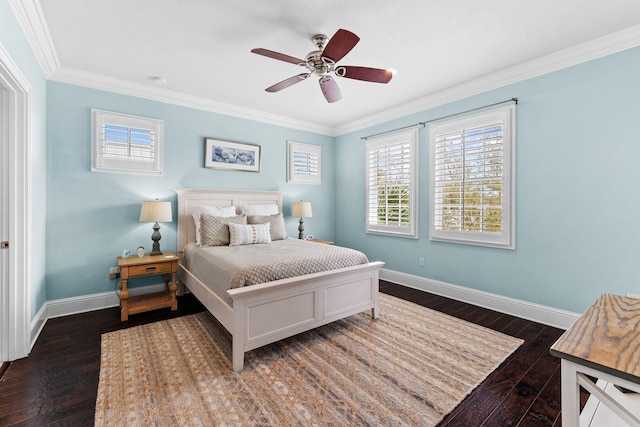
(37, 323)
(538, 313)
(82, 304)
(527, 310)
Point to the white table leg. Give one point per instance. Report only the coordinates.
(570, 394)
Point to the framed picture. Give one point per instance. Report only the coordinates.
(231, 155)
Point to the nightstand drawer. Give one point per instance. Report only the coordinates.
(140, 270)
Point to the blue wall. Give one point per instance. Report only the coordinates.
(15, 44)
(577, 210)
(577, 154)
(92, 217)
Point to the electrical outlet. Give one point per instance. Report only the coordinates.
(421, 262)
(113, 273)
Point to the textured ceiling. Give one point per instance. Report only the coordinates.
(202, 47)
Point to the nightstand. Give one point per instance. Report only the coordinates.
(130, 268)
(326, 242)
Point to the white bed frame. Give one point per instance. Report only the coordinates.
(268, 312)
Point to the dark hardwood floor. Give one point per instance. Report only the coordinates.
(57, 384)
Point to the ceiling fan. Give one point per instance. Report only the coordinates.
(322, 63)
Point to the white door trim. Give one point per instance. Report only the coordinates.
(15, 140)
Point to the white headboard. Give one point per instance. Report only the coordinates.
(190, 198)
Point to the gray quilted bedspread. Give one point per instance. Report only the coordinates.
(227, 267)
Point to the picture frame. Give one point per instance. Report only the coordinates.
(230, 155)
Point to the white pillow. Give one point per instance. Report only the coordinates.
(249, 234)
(260, 209)
(221, 211)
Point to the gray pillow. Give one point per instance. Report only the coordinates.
(278, 232)
(214, 230)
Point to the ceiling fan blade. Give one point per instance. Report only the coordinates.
(366, 74)
(277, 55)
(340, 44)
(288, 82)
(330, 89)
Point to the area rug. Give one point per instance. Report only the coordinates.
(410, 367)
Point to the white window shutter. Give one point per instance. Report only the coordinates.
(392, 184)
(304, 163)
(126, 144)
(471, 172)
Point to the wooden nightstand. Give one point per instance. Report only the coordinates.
(326, 242)
(165, 264)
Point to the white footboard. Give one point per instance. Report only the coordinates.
(272, 311)
(265, 313)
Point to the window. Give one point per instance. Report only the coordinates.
(472, 179)
(391, 184)
(304, 163)
(123, 143)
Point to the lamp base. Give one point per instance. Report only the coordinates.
(155, 250)
(301, 229)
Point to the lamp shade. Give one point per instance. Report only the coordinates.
(301, 210)
(155, 211)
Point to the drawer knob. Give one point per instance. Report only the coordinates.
(151, 268)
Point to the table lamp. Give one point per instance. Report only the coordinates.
(156, 211)
(301, 210)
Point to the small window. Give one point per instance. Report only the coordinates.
(304, 163)
(472, 171)
(123, 143)
(392, 190)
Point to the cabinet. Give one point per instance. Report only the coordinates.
(130, 268)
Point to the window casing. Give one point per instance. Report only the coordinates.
(304, 163)
(123, 143)
(472, 179)
(391, 184)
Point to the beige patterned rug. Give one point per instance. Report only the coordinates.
(411, 367)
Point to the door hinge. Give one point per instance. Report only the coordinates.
(4, 245)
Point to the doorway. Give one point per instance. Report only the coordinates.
(15, 194)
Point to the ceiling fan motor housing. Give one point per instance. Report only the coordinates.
(318, 64)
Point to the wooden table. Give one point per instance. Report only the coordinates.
(326, 242)
(603, 343)
(166, 265)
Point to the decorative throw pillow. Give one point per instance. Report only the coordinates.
(268, 209)
(214, 229)
(249, 234)
(278, 232)
(222, 211)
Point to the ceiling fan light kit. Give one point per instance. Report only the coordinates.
(322, 63)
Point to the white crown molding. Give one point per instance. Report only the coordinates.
(527, 310)
(125, 87)
(31, 20)
(594, 49)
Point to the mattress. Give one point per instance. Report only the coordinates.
(226, 267)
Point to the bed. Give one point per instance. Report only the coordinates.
(263, 313)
